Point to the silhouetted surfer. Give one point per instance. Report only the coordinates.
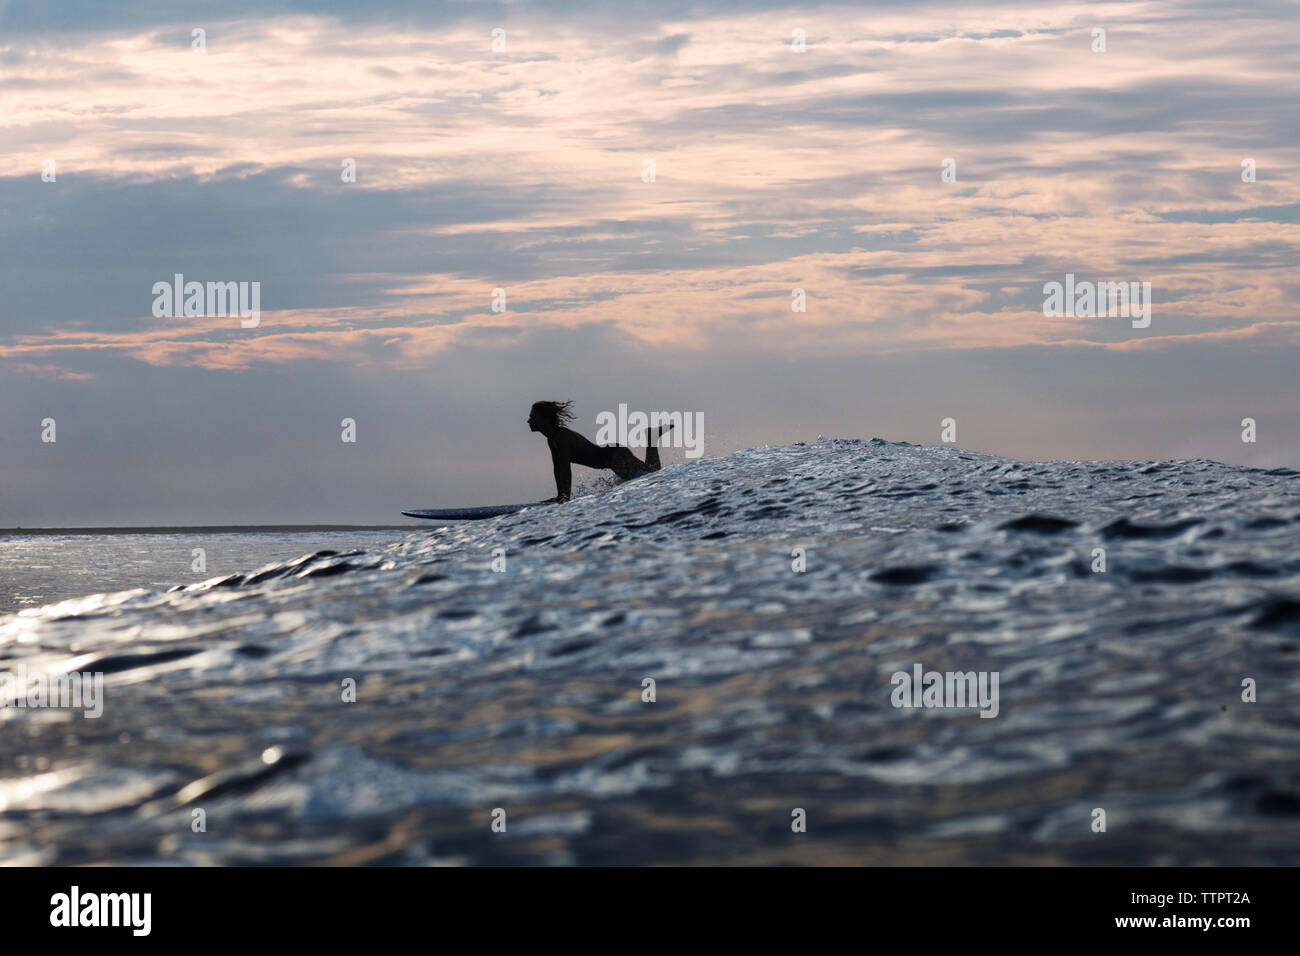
(568, 447)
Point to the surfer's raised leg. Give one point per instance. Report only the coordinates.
(652, 448)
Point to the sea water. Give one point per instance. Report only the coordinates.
(39, 569)
(703, 666)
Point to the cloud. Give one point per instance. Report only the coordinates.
(55, 373)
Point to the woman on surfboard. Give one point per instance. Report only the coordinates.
(570, 448)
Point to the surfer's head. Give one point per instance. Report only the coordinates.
(548, 416)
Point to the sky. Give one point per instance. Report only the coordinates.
(778, 165)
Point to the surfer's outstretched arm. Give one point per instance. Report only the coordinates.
(549, 418)
(560, 465)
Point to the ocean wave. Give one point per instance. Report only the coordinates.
(521, 689)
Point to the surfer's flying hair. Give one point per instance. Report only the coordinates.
(559, 412)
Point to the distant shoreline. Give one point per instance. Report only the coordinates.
(217, 529)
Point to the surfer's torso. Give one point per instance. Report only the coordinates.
(581, 451)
